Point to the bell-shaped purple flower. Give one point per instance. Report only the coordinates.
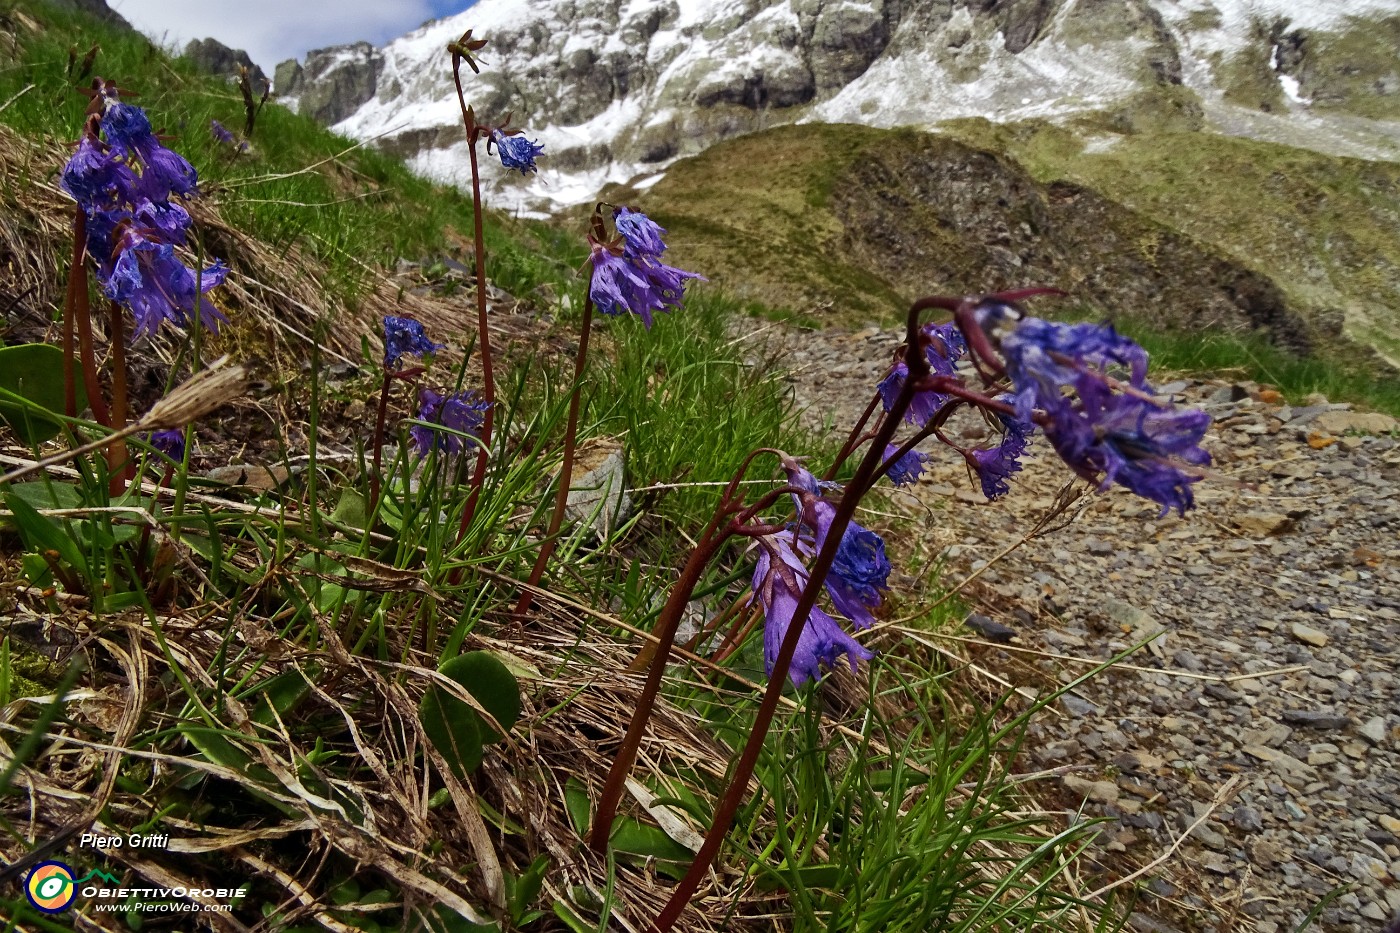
(95, 179)
(943, 346)
(860, 571)
(641, 236)
(1132, 441)
(462, 413)
(1043, 358)
(778, 581)
(996, 465)
(163, 171)
(641, 285)
(516, 151)
(150, 279)
(1091, 384)
(405, 337)
(171, 443)
(908, 468)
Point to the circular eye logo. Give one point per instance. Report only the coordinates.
(50, 887)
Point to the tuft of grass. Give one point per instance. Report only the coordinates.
(1252, 357)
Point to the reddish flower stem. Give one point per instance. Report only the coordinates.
(566, 471)
(845, 509)
(665, 631)
(76, 279)
(119, 466)
(82, 317)
(488, 381)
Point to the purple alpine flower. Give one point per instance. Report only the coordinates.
(1045, 357)
(908, 468)
(461, 413)
(516, 151)
(1134, 442)
(778, 581)
(943, 346)
(171, 443)
(405, 337)
(95, 179)
(163, 171)
(641, 285)
(1110, 426)
(641, 236)
(860, 571)
(157, 286)
(221, 133)
(996, 465)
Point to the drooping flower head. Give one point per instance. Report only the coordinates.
(1098, 410)
(996, 465)
(221, 133)
(150, 279)
(627, 276)
(641, 236)
(860, 572)
(171, 443)
(461, 413)
(778, 581)
(908, 468)
(516, 151)
(123, 185)
(405, 337)
(96, 180)
(943, 345)
(163, 171)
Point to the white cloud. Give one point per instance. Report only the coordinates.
(274, 30)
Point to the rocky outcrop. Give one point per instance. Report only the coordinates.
(333, 83)
(621, 86)
(212, 56)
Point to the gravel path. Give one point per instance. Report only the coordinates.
(1274, 676)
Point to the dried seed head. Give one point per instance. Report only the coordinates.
(202, 393)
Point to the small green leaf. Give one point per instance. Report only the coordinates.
(457, 730)
(281, 693)
(31, 390)
(579, 806)
(44, 534)
(43, 494)
(350, 510)
(634, 838)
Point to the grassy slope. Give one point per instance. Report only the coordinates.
(1321, 228)
(352, 210)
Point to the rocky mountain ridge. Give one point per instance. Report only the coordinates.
(619, 88)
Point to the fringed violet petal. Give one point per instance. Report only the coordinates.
(908, 468)
(995, 466)
(640, 286)
(1122, 437)
(924, 404)
(96, 180)
(405, 337)
(151, 280)
(516, 151)
(640, 234)
(778, 587)
(860, 570)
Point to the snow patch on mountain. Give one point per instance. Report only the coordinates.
(620, 88)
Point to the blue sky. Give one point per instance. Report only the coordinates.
(273, 30)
